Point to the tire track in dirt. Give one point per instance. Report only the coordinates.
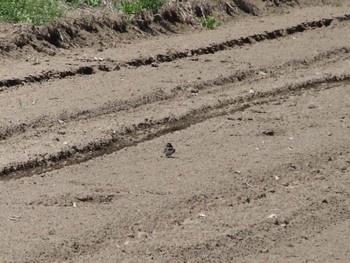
(248, 238)
(178, 91)
(309, 215)
(174, 55)
(146, 131)
(282, 229)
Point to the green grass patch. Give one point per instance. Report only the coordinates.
(85, 2)
(40, 12)
(36, 12)
(209, 22)
(135, 7)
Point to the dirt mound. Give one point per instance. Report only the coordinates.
(95, 30)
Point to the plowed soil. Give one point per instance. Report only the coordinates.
(257, 109)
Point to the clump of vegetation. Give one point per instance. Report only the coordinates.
(135, 7)
(37, 12)
(85, 2)
(209, 22)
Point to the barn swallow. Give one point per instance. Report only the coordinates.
(169, 150)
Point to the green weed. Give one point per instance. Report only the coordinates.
(85, 2)
(129, 20)
(86, 19)
(37, 12)
(135, 7)
(209, 22)
(130, 7)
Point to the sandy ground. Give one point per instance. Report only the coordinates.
(257, 109)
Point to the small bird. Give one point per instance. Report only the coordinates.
(169, 150)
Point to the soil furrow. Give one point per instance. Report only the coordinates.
(179, 91)
(149, 130)
(258, 111)
(280, 232)
(173, 55)
(215, 217)
(305, 214)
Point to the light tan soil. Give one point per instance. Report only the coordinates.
(257, 109)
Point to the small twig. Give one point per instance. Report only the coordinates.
(219, 125)
(248, 184)
(14, 218)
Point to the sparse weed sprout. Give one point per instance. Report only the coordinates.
(209, 22)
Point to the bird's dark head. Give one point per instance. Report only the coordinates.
(169, 144)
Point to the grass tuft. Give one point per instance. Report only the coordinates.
(135, 7)
(85, 2)
(40, 12)
(36, 12)
(209, 22)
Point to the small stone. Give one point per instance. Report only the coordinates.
(84, 198)
(311, 106)
(272, 216)
(268, 132)
(202, 215)
(265, 250)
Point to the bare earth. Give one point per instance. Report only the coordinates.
(257, 109)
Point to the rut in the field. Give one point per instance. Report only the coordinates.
(182, 91)
(148, 130)
(173, 55)
(177, 92)
(77, 32)
(156, 128)
(238, 240)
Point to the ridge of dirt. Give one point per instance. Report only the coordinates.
(318, 203)
(89, 28)
(253, 74)
(240, 238)
(145, 131)
(172, 55)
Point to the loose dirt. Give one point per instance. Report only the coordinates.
(257, 109)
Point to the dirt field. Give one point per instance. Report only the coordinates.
(257, 109)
